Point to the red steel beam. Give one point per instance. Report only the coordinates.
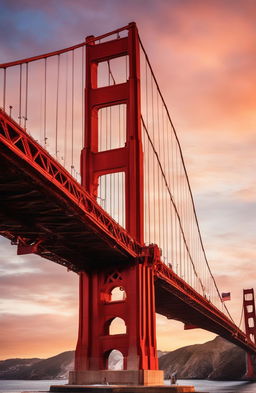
(25, 147)
(210, 315)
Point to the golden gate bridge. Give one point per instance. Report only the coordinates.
(92, 177)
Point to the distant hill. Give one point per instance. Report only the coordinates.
(217, 359)
(56, 367)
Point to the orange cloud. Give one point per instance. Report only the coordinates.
(203, 54)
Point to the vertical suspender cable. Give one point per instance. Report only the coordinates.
(106, 128)
(111, 176)
(177, 196)
(168, 211)
(182, 220)
(4, 90)
(181, 213)
(165, 231)
(45, 93)
(20, 94)
(26, 99)
(72, 112)
(190, 235)
(170, 169)
(148, 160)
(159, 175)
(185, 226)
(173, 215)
(178, 204)
(126, 68)
(57, 107)
(153, 160)
(66, 113)
(119, 175)
(83, 86)
(100, 193)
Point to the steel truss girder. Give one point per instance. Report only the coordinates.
(16, 140)
(211, 318)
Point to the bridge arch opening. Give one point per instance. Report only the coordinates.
(117, 294)
(114, 360)
(115, 326)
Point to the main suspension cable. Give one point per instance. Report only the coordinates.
(186, 174)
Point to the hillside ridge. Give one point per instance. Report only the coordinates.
(215, 360)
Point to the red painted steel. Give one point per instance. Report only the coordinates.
(176, 299)
(128, 159)
(18, 146)
(50, 214)
(50, 195)
(95, 343)
(250, 327)
(138, 345)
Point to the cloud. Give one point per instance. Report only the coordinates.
(246, 194)
(208, 57)
(36, 336)
(38, 308)
(203, 54)
(168, 329)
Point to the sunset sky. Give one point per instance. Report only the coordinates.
(204, 57)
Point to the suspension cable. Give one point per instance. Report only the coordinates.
(171, 198)
(26, 98)
(186, 174)
(59, 52)
(4, 90)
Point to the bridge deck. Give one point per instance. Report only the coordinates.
(41, 202)
(175, 299)
(45, 211)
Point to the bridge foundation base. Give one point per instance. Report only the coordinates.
(121, 389)
(117, 377)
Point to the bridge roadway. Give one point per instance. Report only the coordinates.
(43, 210)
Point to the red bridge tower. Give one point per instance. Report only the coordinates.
(137, 309)
(250, 327)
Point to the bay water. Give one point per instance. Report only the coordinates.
(201, 385)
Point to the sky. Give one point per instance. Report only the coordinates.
(203, 55)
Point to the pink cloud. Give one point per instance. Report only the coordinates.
(203, 53)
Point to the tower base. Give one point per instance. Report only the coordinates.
(117, 377)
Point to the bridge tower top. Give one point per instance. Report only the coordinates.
(129, 158)
(249, 314)
(250, 327)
